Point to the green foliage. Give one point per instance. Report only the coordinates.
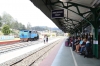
(0, 24)
(21, 26)
(6, 30)
(7, 19)
(12, 31)
(28, 26)
(18, 26)
(40, 28)
(11, 22)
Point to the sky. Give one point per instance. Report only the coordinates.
(24, 11)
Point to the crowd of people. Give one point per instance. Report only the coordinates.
(81, 44)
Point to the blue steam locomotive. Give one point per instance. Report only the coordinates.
(27, 35)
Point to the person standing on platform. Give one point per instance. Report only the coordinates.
(44, 39)
(47, 39)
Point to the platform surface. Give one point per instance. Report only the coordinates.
(66, 57)
(10, 40)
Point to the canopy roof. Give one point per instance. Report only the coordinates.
(74, 12)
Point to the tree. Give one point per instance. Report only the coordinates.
(28, 26)
(7, 19)
(11, 22)
(0, 22)
(21, 26)
(39, 28)
(6, 30)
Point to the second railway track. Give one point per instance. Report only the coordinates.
(18, 45)
(15, 46)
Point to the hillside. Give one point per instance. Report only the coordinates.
(42, 28)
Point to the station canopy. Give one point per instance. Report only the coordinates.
(74, 12)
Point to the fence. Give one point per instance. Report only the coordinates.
(6, 38)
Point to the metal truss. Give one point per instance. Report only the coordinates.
(71, 4)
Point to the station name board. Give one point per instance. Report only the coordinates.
(57, 13)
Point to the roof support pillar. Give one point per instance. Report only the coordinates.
(95, 42)
(95, 35)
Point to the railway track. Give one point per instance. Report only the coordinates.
(18, 45)
(31, 59)
(15, 46)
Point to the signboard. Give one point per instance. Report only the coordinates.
(57, 13)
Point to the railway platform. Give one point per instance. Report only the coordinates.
(64, 56)
(3, 42)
